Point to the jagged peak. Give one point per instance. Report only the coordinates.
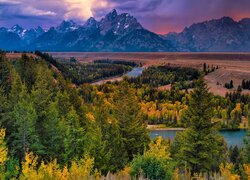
(16, 27)
(90, 21)
(69, 22)
(66, 26)
(112, 15)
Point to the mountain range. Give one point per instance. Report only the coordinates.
(123, 33)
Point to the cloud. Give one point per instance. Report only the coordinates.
(163, 16)
(84, 9)
(31, 11)
(9, 2)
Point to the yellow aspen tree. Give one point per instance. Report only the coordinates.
(247, 170)
(64, 174)
(29, 166)
(226, 172)
(3, 148)
(3, 153)
(81, 169)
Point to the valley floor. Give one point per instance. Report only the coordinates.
(232, 66)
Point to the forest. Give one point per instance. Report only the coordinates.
(53, 130)
(156, 76)
(80, 73)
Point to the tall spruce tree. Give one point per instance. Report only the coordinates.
(114, 156)
(3, 106)
(246, 148)
(25, 136)
(27, 71)
(132, 128)
(74, 137)
(41, 95)
(53, 134)
(5, 72)
(200, 147)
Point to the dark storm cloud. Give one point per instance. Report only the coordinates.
(173, 15)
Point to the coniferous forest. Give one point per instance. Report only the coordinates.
(54, 124)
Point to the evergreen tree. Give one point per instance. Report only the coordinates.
(41, 95)
(96, 146)
(234, 154)
(243, 84)
(3, 106)
(231, 85)
(16, 88)
(7, 118)
(205, 68)
(25, 136)
(5, 72)
(74, 139)
(133, 130)
(246, 149)
(26, 68)
(53, 134)
(200, 147)
(63, 103)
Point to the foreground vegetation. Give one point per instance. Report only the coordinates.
(51, 130)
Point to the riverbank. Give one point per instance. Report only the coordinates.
(163, 127)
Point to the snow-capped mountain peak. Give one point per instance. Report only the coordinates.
(18, 30)
(67, 26)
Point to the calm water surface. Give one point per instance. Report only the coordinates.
(232, 137)
(135, 72)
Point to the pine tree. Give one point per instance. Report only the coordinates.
(231, 85)
(96, 146)
(234, 154)
(200, 147)
(74, 140)
(25, 136)
(41, 95)
(127, 112)
(5, 72)
(63, 103)
(205, 68)
(246, 148)
(243, 84)
(16, 87)
(53, 134)
(7, 117)
(3, 106)
(3, 153)
(26, 68)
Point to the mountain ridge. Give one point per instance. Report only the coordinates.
(122, 32)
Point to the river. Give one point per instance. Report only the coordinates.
(232, 137)
(135, 72)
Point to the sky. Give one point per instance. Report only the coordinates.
(159, 16)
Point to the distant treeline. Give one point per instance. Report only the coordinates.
(108, 61)
(80, 73)
(245, 84)
(229, 85)
(47, 58)
(164, 75)
(207, 69)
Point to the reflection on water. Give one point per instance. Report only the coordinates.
(135, 72)
(232, 137)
